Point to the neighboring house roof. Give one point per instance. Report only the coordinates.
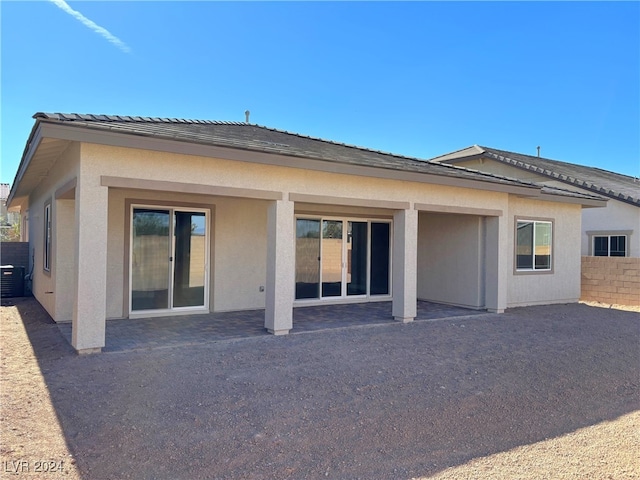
(603, 182)
(262, 139)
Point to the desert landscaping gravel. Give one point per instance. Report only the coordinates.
(538, 392)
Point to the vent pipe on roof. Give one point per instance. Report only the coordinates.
(246, 114)
(538, 147)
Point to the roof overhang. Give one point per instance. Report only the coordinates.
(46, 131)
(49, 138)
(40, 154)
(591, 202)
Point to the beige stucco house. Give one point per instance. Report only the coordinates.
(610, 231)
(136, 217)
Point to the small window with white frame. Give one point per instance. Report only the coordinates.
(609, 245)
(47, 238)
(533, 245)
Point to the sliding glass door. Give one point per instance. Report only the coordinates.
(357, 258)
(169, 259)
(342, 258)
(331, 258)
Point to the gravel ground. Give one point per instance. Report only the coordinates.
(538, 392)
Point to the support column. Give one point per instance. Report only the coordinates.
(405, 265)
(278, 317)
(90, 279)
(496, 265)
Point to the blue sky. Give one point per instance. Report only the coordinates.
(418, 78)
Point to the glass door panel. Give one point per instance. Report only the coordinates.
(150, 264)
(307, 258)
(190, 252)
(331, 258)
(380, 258)
(357, 258)
(342, 258)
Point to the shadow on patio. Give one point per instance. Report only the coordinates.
(126, 334)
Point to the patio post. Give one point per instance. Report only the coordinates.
(405, 263)
(89, 305)
(278, 318)
(496, 251)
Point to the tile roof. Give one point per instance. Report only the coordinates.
(269, 140)
(264, 139)
(603, 182)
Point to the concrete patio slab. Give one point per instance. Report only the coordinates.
(173, 331)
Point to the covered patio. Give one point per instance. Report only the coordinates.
(140, 334)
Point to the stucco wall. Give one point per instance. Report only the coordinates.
(240, 227)
(239, 243)
(62, 171)
(64, 272)
(237, 249)
(239, 231)
(151, 165)
(450, 259)
(614, 280)
(562, 284)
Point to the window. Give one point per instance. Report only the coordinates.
(533, 245)
(610, 245)
(47, 237)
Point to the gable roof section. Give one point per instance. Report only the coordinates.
(256, 138)
(603, 182)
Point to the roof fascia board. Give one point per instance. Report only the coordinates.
(34, 142)
(464, 154)
(585, 202)
(118, 139)
(456, 160)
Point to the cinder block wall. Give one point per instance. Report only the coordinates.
(16, 254)
(614, 280)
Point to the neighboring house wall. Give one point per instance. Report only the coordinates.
(617, 218)
(611, 280)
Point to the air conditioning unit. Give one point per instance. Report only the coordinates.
(12, 281)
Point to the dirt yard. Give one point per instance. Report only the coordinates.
(540, 392)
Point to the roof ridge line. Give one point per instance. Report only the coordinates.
(93, 117)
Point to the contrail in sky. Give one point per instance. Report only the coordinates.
(92, 25)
